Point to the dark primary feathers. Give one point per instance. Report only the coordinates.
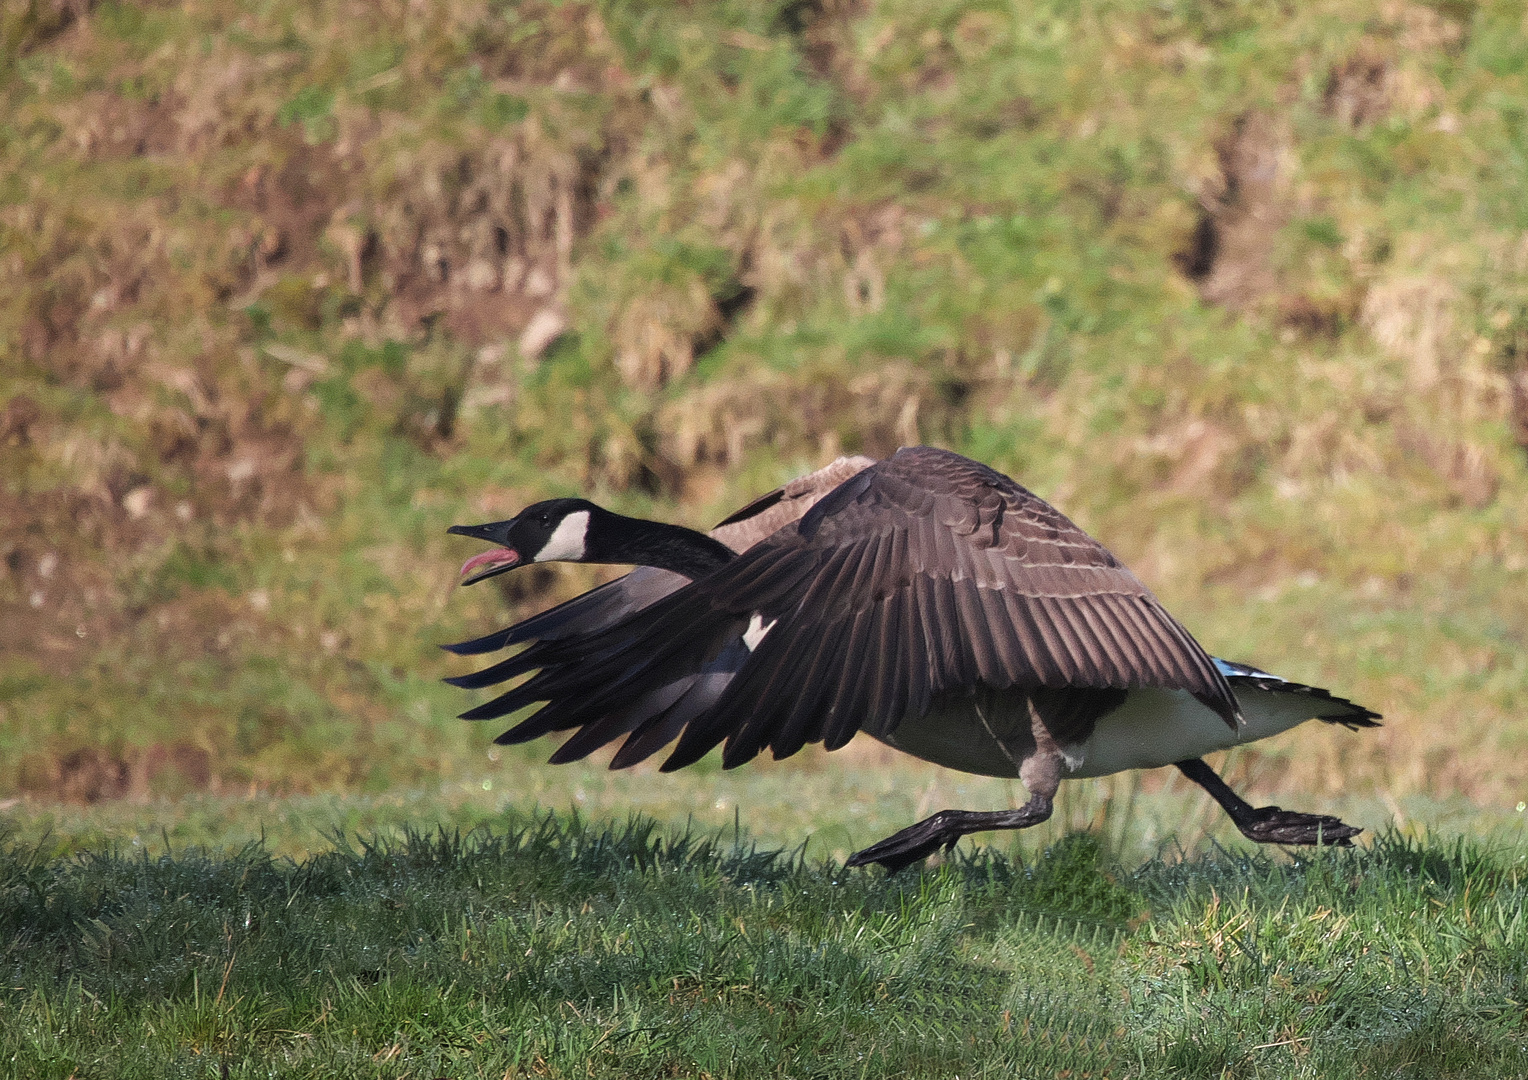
(923, 576)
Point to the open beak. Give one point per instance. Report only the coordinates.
(489, 563)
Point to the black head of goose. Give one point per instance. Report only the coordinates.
(576, 530)
(931, 602)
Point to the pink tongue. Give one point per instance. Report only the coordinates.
(490, 558)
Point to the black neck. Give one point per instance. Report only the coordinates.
(618, 539)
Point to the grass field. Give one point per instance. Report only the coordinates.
(553, 946)
(460, 932)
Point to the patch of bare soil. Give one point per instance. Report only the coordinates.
(28, 24)
(1519, 414)
(1232, 251)
(1228, 255)
(1359, 90)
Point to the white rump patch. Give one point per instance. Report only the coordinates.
(757, 628)
(566, 544)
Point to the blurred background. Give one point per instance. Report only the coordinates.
(287, 288)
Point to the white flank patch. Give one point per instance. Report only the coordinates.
(757, 628)
(1158, 727)
(566, 544)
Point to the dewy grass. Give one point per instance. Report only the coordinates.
(554, 946)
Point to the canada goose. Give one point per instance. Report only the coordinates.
(926, 599)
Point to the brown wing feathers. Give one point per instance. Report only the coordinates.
(922, 575)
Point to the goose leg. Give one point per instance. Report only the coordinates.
(1040, 771)
(944, 829)
(1269, 824)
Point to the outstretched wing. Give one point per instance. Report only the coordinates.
(924, 575)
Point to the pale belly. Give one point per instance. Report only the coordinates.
(1150, 729)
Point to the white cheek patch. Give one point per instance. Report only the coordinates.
(757, 628)
(566, 544)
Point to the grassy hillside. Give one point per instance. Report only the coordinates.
(287, 288)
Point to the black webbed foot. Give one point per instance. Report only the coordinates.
(1269, 824)
(913, 843)
(1273, 825)
(943, 830)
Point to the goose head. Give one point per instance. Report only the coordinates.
(576, 530)
(556, 530)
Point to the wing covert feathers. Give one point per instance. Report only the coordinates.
(923, 575)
